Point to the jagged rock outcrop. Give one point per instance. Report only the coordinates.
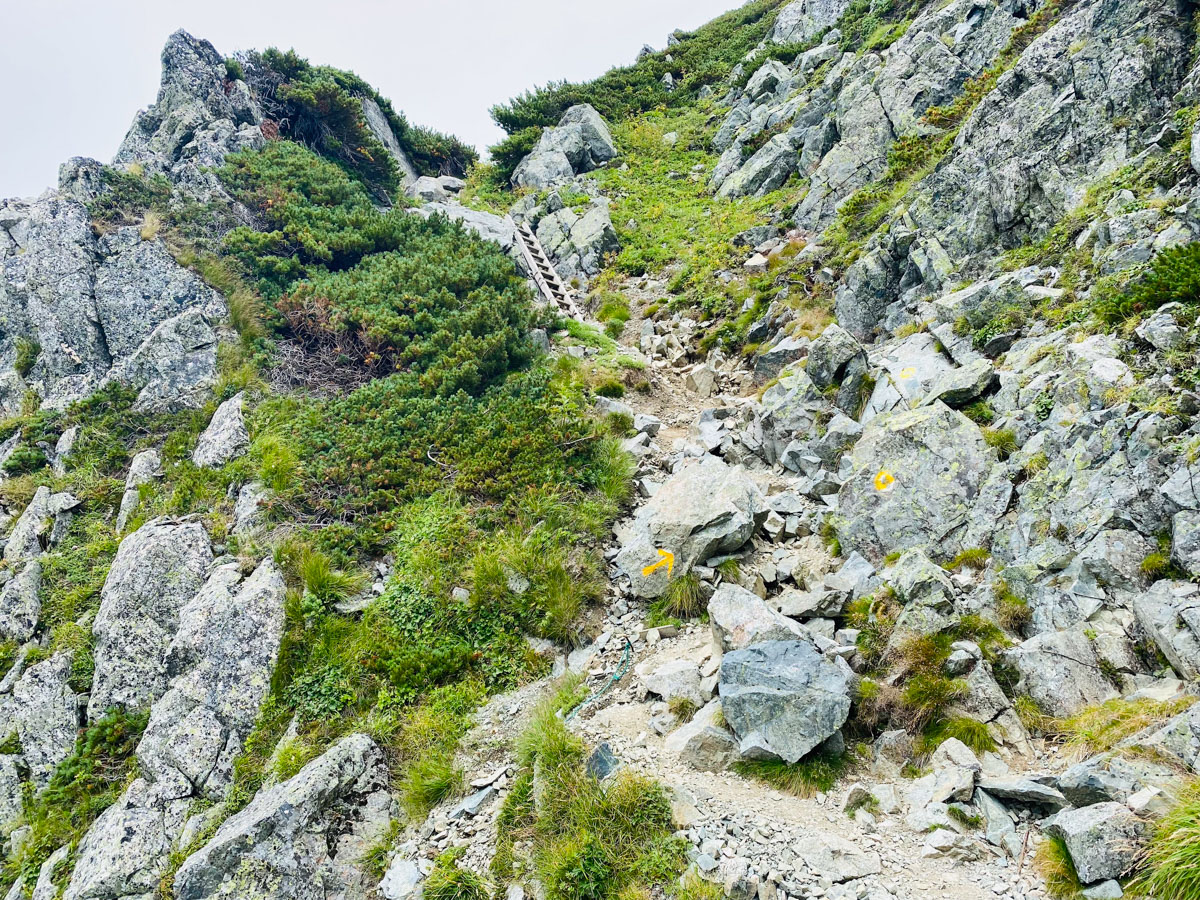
(219, 660)
(579, 143)
(282, 845)
(156, 571)
(803, 19)
(200, 116)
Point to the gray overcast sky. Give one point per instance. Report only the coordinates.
(76, 71)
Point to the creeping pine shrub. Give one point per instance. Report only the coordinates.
(83, 785)
(321, 107)
(1172, 277)
(701, 57)
(387, 290)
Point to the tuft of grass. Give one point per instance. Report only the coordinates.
(683, 708)
(325, 586)
(1053, 862)
(1171, 866)
(926, 697)
(684, 597)
(152, 224)
(1156, 564)
(816, 773)
(590, 840)
(971, 732)
(448, 881)
(1002, 440)
(971, 558)
(964, 818)
(1031, 715)
(1012, 611)
(1099, 728)
(428, 781)
(980, 412)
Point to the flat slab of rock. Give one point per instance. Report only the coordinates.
(831, 856)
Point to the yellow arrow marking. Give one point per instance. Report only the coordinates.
(884, 480)
(907, 372)
(668, 560)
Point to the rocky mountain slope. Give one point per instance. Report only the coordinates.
(844, 548)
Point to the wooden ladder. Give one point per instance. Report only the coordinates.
(553, 288)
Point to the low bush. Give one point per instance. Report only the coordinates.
(1173, 276)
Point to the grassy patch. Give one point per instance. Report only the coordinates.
(1170, 869)
(1053, 862)
(1100, 728)
(588, 840)
(816, 773)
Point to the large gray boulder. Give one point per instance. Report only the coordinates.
(706, 508)
(783, 698)
(803, 19)
(1104, 839)
(225, 438)
(47, 716)
(294, 840)
(740, 618)
(156, 571)
(578, 241)
(916, 475)
(1169, 612)
(581, 142)
(768, 169)
(221, 659)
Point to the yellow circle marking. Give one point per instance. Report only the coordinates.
(907, 372)
(884, 480)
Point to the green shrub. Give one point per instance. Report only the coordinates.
(82, 786)
(610, 388)
(320, 107)
(507, 154)
(1172, 277)
(702, 57)
(27, 354)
